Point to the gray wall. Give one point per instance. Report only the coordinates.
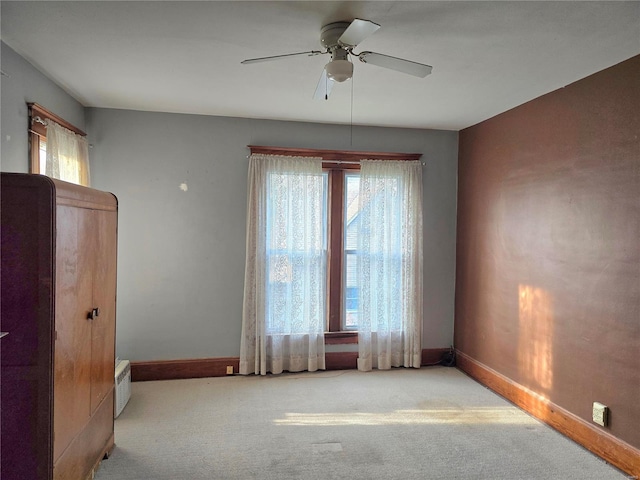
(26, 84)
(182, 253)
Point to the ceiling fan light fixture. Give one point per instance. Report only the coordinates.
(339, 70)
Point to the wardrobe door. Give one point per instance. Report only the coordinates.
(104, 299)
(26, 288)
(75, 247)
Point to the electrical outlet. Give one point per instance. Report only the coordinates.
(600, 413)
(229, 369)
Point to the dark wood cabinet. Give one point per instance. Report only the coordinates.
(58, 286)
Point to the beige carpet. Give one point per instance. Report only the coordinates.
(432, 423)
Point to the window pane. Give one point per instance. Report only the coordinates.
(380, 253)
(296, 249)
(351, 232)
(43, 156)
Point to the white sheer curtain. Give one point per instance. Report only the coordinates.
(67, 155)
(283, 316)
(389, 264)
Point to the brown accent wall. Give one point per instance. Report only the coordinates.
(548, 246)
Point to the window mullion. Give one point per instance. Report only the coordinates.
(335, 249)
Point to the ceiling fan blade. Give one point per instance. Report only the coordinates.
(394, 63)
(325, 84)
(278, 57)
(357, 32)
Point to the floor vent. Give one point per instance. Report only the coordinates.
(123, 386)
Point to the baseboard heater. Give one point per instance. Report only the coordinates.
(123, 386)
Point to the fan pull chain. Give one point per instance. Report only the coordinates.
(326, 87)
(351, 133)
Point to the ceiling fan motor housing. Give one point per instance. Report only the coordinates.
(330, 34)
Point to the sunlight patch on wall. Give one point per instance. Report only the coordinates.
(535, 344)
(467, 416)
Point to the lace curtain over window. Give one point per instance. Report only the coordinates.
(389, 264)
(285, 275)
(67, 155)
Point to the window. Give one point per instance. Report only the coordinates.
(341, 212)
(312, 221)
(57, 148)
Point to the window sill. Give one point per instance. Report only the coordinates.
(337, 338)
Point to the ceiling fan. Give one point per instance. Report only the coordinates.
(339, 39)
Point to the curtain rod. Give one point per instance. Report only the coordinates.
(39, 114)
(333, 155)
(345, 162)
(351, 162)
(348, 162)
(37, 119)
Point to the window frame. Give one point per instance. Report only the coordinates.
(337, 163)
(335, 274)
(344, 311)
(37, 131)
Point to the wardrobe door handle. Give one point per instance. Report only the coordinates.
(93, 313)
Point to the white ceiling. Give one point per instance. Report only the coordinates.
(487, 57)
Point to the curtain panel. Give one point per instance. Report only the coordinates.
(67, 155)
(283, 318)
(389, 264)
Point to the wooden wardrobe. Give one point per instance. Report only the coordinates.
(58, 306)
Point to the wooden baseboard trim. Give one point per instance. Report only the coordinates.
(181, 369)
(217, 367)
(349, 360)
(606, 446)
(432, 356)
(341, 360)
